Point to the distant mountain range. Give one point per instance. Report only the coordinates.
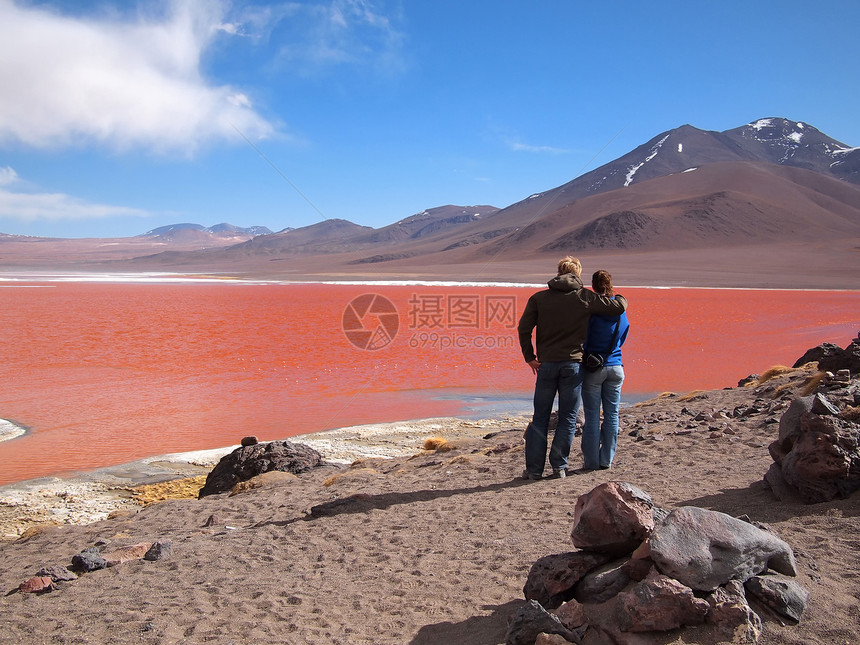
(174, 231)
(768, 196)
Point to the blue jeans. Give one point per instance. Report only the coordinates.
(565, 379)
(600, 439)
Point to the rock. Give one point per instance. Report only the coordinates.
(780, 488)
(603, 582)
(732, 616)
(824, 462)
(160, 550)
(785, 596)
(659, 603)
(551, 578)
(612, 518)
(551, 639)
(88, 560)
(789, 427)
(37, 584)
(571, 614)
(532, 619)
(846, 359)
(126, 554)
(705, 549)
(249, 461)
(249, 441)
(816, 354)
(57, 573)
(821, 405)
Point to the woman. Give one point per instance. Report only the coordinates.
(606, 335)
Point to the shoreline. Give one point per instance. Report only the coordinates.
(91, 496)
(7, 279)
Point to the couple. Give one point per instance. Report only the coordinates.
(564, 315)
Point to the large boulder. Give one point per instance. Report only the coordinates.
(817, 354)
(613, 518)
(705, 549)
(847, 359)
(824, 460)
(249, 461)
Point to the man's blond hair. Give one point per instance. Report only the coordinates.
(570, 264)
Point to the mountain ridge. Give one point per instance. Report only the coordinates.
(747, 193)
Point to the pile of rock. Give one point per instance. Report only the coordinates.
(641, 569)
(92, 559)
(817, 454)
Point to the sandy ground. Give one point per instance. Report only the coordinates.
(435, 548)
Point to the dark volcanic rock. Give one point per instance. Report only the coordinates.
(532, 619)
(88, 560)
(833, 358)
(249, 461)
(552, 578)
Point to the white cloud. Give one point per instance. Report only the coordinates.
(8, 176)
(122, 82)
(361, 33)
(518, 146)
(57, 206)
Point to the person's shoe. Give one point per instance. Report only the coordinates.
(560, 473)
(532, 476)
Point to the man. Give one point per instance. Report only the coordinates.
(560, 314)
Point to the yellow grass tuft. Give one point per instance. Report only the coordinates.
(34, 531)
(439, 444)
(811, 384)
(186, 488)
(773, 372)
(690, 396)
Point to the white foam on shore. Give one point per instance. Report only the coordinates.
(10, 430)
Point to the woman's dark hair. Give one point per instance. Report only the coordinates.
(601, 282)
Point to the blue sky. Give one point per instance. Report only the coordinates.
(117, 117)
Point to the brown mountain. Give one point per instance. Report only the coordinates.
(771, 203)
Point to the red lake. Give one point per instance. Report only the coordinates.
(104, 373)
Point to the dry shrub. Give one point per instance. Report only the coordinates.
(692, 396)
(186, 488)
(773, 372)
(439, 444)
(811, 384)
(33, 531)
